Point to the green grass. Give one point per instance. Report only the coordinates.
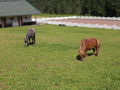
(54, 15)
(51, 64)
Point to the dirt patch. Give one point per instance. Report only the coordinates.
(92, 21)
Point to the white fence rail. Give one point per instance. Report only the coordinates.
(49, 21)
(79, 17)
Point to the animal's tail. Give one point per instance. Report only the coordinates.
(98, 43)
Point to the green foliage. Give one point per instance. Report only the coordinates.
(54, 15)
(51, 64)
(80, 7)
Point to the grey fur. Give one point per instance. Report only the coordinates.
(30, 37)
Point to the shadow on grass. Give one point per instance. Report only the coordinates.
(90, 54)
(30, 44)
(78, 57)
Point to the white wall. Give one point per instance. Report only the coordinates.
(15, 22)
(8, 20)
(27, 18)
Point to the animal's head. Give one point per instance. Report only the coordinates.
(82, 54)
(26, 42)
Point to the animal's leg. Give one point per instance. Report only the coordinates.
(86, 53)
(94, 51)
(97, 50)
(34, 40)
(29, 41)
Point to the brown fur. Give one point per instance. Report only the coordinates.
(88, 44)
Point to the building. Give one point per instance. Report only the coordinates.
(16, 13)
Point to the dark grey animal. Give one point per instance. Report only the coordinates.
(30, 37)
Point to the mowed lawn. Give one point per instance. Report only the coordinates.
(51, 64)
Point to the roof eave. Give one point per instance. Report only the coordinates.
(19, 15)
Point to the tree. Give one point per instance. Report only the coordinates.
(82, 7)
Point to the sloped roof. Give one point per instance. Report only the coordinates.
(16, 8)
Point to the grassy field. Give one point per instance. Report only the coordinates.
(51, 64)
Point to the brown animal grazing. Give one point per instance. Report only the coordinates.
(88, 44)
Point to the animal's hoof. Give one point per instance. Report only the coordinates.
(96, 54)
